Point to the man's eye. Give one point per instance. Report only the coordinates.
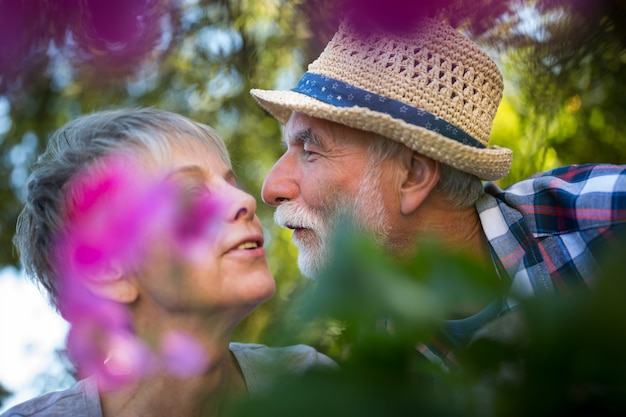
(309, 152)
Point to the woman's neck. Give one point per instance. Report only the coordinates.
(163, 394)
(215, 379)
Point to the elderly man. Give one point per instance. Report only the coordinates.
(395, 128)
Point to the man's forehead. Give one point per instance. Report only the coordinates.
(300, 122)
(315, 130)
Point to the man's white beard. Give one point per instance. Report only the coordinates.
(315, 243)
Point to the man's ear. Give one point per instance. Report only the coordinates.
(113, 284)
(421, 177)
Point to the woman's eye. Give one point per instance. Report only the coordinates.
(194, 192)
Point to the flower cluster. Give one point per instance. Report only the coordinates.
(113, 217)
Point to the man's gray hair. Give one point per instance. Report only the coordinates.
(140, 132)
(459, 188)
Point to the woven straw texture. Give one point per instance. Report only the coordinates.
(433, 68)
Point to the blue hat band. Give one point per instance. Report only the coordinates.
(340, 94)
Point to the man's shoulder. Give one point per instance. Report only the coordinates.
(572, 197)
(576, 178)
(578, 172)
(80, 399)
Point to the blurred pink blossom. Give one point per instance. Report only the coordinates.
(109, 215)
(182, 355)
(114, 216)
(112, 354)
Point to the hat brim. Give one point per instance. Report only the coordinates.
(490, 163)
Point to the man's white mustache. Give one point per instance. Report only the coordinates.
(293, 215)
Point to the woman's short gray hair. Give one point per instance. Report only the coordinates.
(459, 188)
(137, 132)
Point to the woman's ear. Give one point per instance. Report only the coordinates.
(113, 284)
(421, 177)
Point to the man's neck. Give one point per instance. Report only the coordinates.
(459, 230)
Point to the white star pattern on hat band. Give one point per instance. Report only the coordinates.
(312, 85)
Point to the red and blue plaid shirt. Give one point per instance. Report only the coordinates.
(550, 232)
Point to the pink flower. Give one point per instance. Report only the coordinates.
(114, 217)
(182, 355)
(112, 214)
(112, 354)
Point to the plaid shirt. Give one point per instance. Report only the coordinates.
(549, 233)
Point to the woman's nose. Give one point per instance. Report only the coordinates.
(244, 206)
(241, 213)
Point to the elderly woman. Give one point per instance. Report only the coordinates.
(135, 227)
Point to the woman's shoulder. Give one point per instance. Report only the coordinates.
(293, 359)
(261, 364)
(81, 399)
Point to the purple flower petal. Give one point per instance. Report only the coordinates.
(183, 355)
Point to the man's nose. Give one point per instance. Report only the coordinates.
(281, 184)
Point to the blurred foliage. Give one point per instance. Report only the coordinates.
(551, 357)
(564, 68)
(564, 64)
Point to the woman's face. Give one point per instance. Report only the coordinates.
(224, 269)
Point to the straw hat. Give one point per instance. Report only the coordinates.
(431, 88)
